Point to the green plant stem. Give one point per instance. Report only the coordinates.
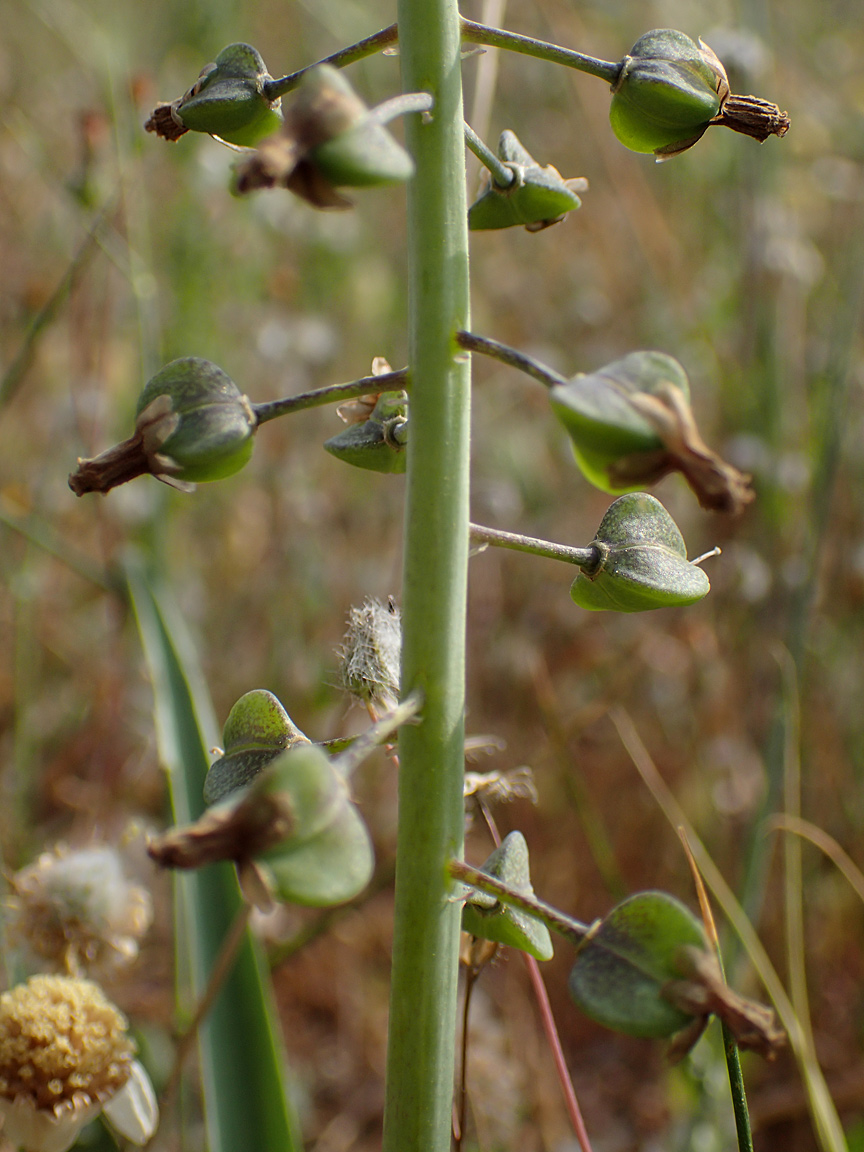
(497, 38)
(730, 1043)
(736, 1089)
(502, 174)
(341, 59)
(573, 930)
(583, 557)
(473, 343)
(365, 386)
(423, 995)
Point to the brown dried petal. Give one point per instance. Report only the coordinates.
(133, 457)
(308, 183)
(232, 833)
(752, 117)
(164, 123)
(715, 64)
(271, 165)
(704, 992)
(718, 485)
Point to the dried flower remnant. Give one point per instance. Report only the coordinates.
(502, 787)
(77, 910)
(703, 991)
(371, 652)
(64, 1058)
(358, 410)
(294, 833)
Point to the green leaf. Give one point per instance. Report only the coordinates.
(642, 561)
(246, 1100)
(620, 971)
(485, 917)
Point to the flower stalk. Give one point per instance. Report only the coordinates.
(588, 558)
(554, 53)
(423, 1008)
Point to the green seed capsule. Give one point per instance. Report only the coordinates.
(601, 414)
(666, 94)
(378, 443)
(536, 198)
(258, 729)
(342, 138)
(195, 423)
(484, 916)
(641, 561)
(228, 99)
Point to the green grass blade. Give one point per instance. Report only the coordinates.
(242, 1065)
(826, 1123)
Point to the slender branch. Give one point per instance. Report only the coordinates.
(573, 930)
(582, 557)
(843, 861)
(360, 747)
(359, 51)
(547, 1019)
(497, 38)
(400, 105)
(502, 173)
(553, 1039)
(366, 385)
(43, 536)
(391, 381)
(313, 929)
(826, 1122)
(461, 1108)
(473, 343)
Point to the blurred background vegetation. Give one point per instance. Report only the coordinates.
(744, 262)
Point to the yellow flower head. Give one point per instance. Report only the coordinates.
(64, 1056)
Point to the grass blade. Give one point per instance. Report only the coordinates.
(826, 1122)
(245, 1098)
